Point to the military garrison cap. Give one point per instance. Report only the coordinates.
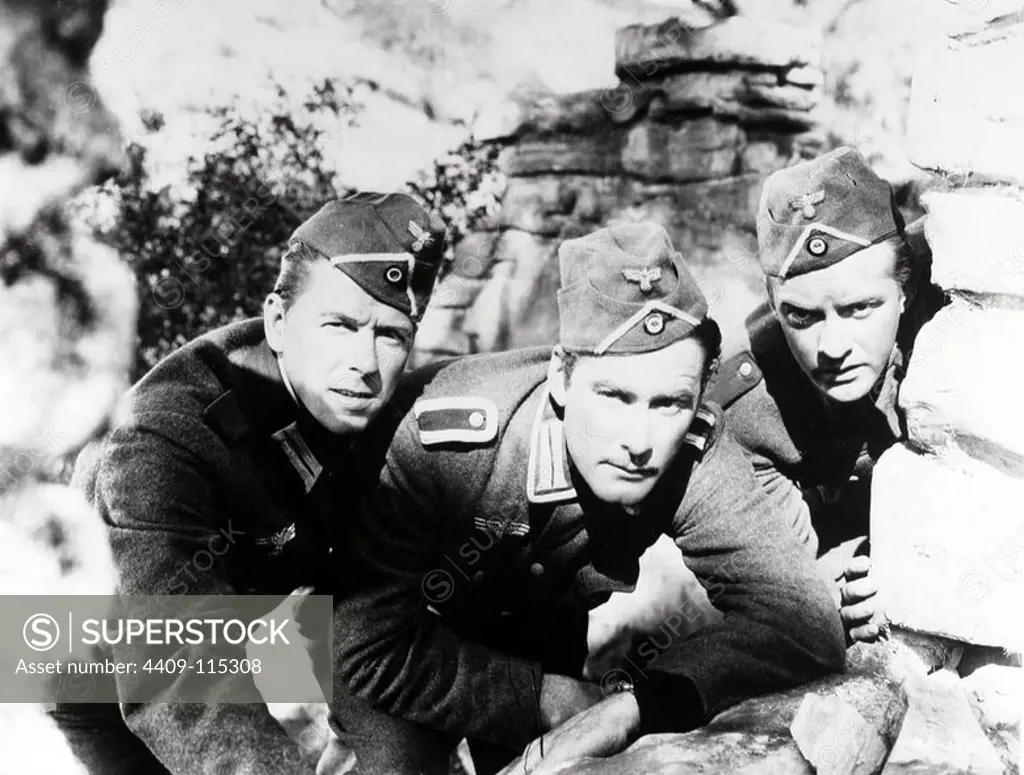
(387, 243)
(816, 213)
(625, 290)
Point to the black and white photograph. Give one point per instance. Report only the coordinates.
(511, 387)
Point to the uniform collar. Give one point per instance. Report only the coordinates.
(549, 472)
(548, 478)
(274, 412)
(887, 391)
(258, 383)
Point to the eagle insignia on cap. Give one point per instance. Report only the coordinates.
(642, 275)
(805, 204)
(654, 323)
(421, 236)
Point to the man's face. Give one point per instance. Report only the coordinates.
(342, 350)
(626, 416)
(840, 321)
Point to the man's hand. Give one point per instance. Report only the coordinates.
(294, 674)
(857, 602)
(602, 730)
(562, 697)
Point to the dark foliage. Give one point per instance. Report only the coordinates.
(207, 253)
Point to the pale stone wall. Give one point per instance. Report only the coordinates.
(67, 319)
(947, 527)
(948, 502)
(686, 138)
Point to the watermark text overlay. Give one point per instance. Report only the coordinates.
(166, 648)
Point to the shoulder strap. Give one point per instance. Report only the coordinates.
(735, 377)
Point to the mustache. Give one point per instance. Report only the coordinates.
(630, 468)
(829, 371)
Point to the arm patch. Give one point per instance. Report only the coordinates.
(460, 419)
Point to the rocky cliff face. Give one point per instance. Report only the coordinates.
(697, 120)
(67, 312)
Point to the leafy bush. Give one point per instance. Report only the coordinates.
(463, 187)
(206, 253)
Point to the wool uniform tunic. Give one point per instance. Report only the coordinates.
(216, 481)
(814, 456)
(216, 484)
(473, 570)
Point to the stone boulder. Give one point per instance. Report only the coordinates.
(964, 112)
(994, 692)
(862, 709)
(940, 733)
(738, 41)
(743, 96)
(690, 151)
(976, 237)
(960, 392)
(934, 575)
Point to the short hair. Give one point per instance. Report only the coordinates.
(294, 272)
(707, 333)
(908, 265)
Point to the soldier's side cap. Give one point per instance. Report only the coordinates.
(385, 242)
(816, 213)
(624, 289)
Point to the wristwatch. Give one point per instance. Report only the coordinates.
(621, 685)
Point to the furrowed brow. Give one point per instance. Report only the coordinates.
(347, 319)
(872, 299)
(788, 306)
(614, 390)
(679, 396)
(399, 332)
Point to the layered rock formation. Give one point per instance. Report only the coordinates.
(697, 120)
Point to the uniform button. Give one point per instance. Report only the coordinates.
(476, 420)
(478, 576)
(746, 369)
(537, 569)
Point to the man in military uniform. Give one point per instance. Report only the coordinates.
(519, 492)
(220, 477)
(813, 399)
